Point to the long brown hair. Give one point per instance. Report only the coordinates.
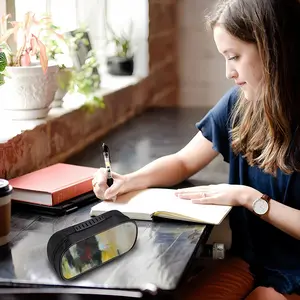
(265, 131)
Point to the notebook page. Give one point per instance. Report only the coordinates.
(139, 202)
(203, 213)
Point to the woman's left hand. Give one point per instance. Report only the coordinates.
(221, 194)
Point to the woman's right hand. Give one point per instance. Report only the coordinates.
(102, 190)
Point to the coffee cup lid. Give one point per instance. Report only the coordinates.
(5, 187)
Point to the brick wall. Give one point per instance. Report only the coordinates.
(201, 66)
(162, 40)
(64, 136)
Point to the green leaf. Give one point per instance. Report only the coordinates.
(2, 81)
(3, 61)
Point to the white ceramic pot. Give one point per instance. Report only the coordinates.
(28, 93)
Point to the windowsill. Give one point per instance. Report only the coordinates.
(109, 84)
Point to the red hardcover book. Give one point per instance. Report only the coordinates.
(53, 185)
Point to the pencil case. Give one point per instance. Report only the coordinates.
(88, 245)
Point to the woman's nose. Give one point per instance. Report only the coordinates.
(231, 73)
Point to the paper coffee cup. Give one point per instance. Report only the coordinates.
(5, 210)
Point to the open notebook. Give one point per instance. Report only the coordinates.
(160, 202)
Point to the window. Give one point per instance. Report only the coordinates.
(119, 14)
(64, 13)
(70, 14)
(2, 7)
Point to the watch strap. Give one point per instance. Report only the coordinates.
(266, 197)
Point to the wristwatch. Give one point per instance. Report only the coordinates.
(261, 205)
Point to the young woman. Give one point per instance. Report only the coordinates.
(255, 127)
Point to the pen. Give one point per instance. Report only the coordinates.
(106, 156)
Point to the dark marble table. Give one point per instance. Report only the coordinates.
(156, 132)
(164, 251)
(158, 262)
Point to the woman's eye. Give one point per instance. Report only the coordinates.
(233, 58)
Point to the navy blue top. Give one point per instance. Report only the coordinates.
(273, 255)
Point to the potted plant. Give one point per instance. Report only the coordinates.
(30, 84)
(122, 62)
(57, 50)
(86, 81)
(85, 78)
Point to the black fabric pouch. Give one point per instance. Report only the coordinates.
(85, 246)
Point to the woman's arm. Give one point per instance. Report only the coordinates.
(279, 215)
(173, 169)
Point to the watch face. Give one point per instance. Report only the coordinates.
(260, 206)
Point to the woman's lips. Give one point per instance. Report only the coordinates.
(241, 83)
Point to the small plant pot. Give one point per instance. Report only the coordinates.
(63, 78)
(58, 98)
(120, 66)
